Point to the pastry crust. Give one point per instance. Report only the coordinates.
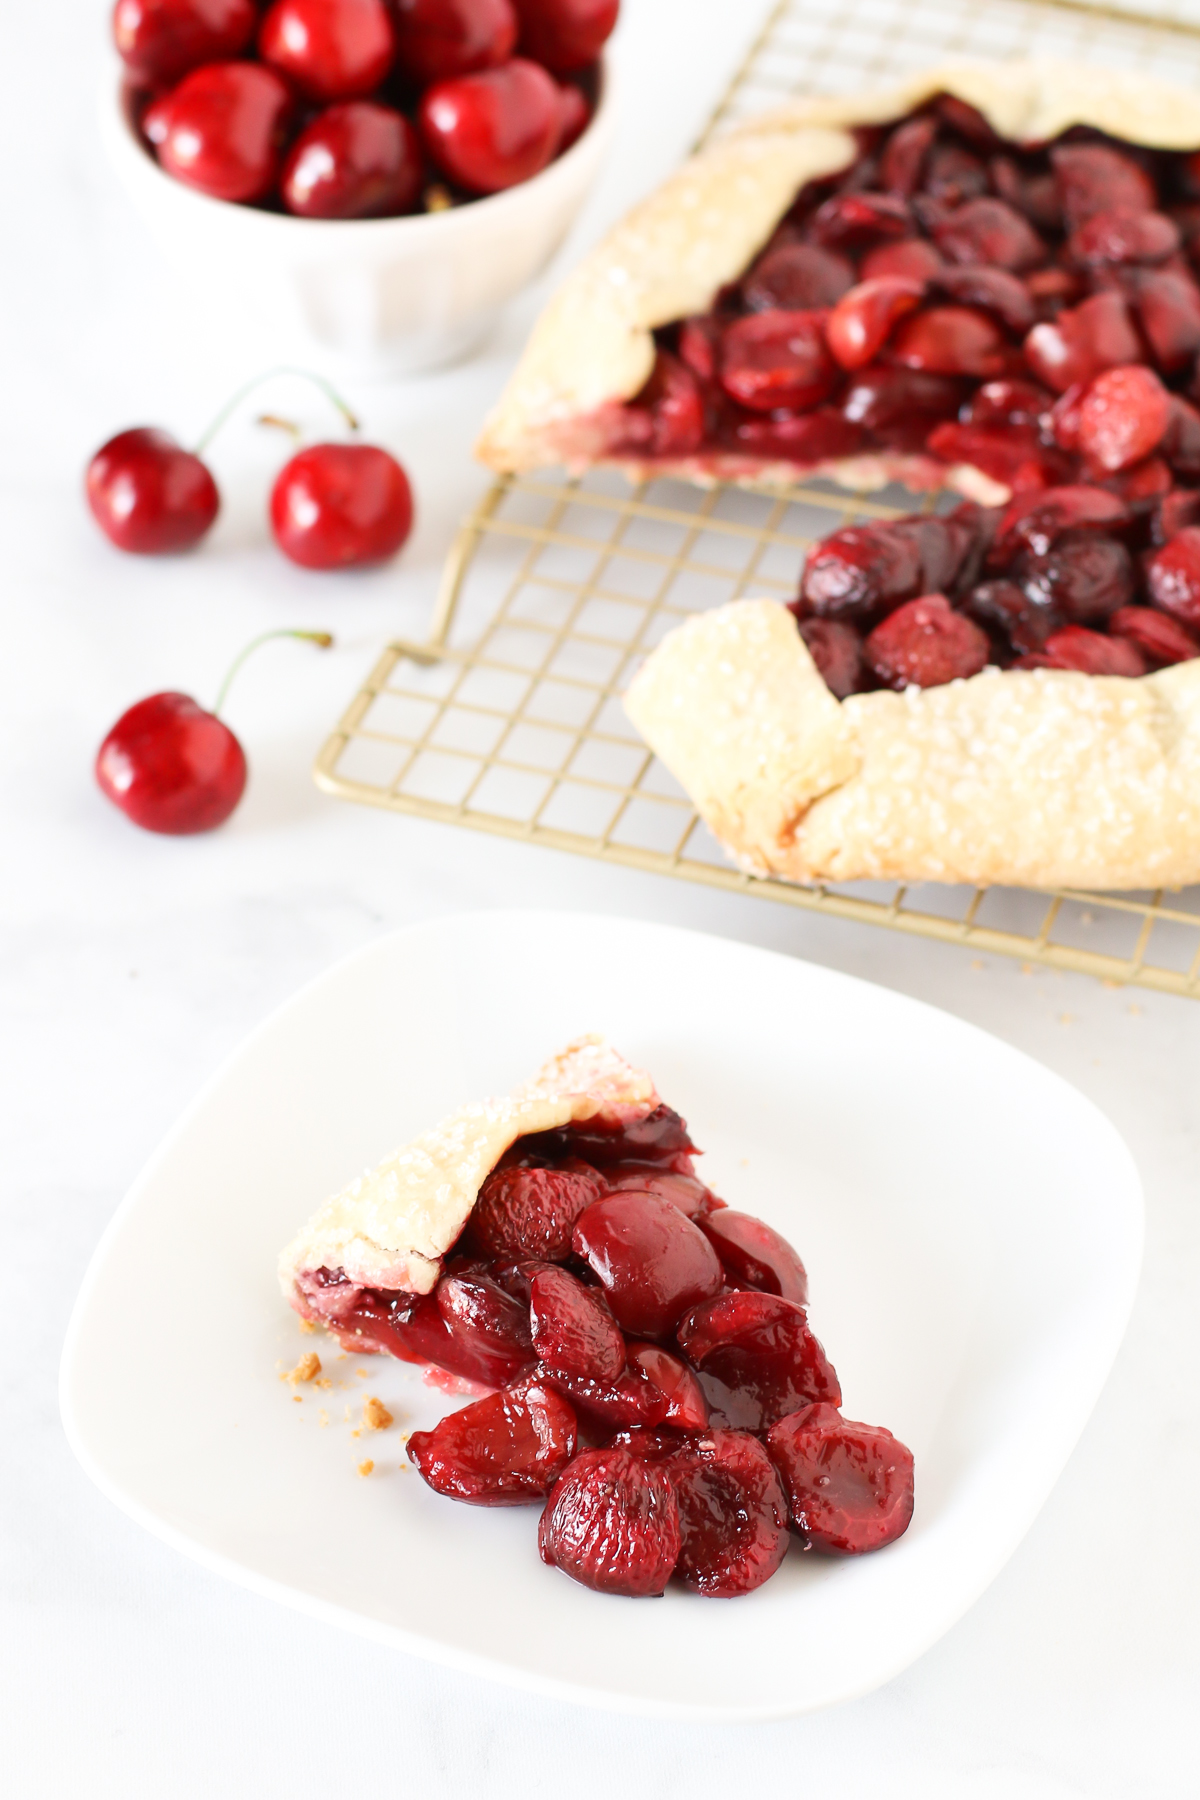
(390, 1228)
(592, 348)
(1042, 778)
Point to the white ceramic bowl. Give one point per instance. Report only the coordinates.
(361, 297)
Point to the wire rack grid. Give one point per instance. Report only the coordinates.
(507, 718)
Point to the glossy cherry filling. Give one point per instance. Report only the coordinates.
(638, 1341)
(944, 262)
(1100, 580)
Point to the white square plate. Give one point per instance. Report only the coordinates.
(972, 1231)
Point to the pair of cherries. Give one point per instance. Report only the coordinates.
(333, 506)
(168, 763)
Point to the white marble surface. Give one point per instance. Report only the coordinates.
(131, 964)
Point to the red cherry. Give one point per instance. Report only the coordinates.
(574, 116)
(1095, 178)
(792, 277)
(904, 154)
(1082, 341)
(149, 495)
(439, 39)
(160, 40)
(331, 49)
(490, 131)
(1122, 237)
(778, 359)
(652, 1262)
(989, 231)
(950, 340)
(914, 257)
(174, 768)
(565, 35)
(925, 643)
(358, 160)
(1123, 416)
(849, 1486)
(222, 129)
(861, 322)
(339, 506)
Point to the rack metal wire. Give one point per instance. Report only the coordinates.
(507, 718)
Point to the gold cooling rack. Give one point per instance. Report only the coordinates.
(508, 718)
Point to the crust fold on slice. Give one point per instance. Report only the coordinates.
(1044, 778)
(592, 348)
(391, 1227)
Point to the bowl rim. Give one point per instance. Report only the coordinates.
(120, 129)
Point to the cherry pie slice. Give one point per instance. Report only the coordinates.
(638, 1347)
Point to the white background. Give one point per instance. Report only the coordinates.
(131, 964)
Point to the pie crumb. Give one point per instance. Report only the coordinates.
(363, 1372)
(308, 1366)
(364, 1468)
(356, 1433)
(323, 1383)
(297, 1399)
(376, 1416)
(1066, 1018)
(322, 1417)
(307, 1326)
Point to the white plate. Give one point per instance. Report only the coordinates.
(972, 1231)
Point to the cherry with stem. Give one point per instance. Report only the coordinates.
(152, 497)
(175, 768)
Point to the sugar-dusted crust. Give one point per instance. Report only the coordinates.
(1043, 778)
(391, 1227)
(592, 348)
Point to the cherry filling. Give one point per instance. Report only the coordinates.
(608, 1299)
(1032, 315)
(1072, 576)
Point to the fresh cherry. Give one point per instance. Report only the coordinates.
(149, 495)
(341, 506)
(222, 130)
(331, 49)
(574, 115)
(489, 131)
(357, 160)
(437, 40)
(174, 768)
(160, 40)
(565, 35)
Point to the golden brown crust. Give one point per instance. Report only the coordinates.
(1043, 778)
(391, 1227)
(592, 348)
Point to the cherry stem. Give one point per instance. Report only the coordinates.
(232, 405)
(280, 424)
(322, 639)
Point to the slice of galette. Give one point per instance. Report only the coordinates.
(428, 1256)
(914, 285)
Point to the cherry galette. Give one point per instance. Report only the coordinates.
(642, 1352)
(921, 285)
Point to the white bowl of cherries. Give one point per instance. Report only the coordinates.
(374, 179)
